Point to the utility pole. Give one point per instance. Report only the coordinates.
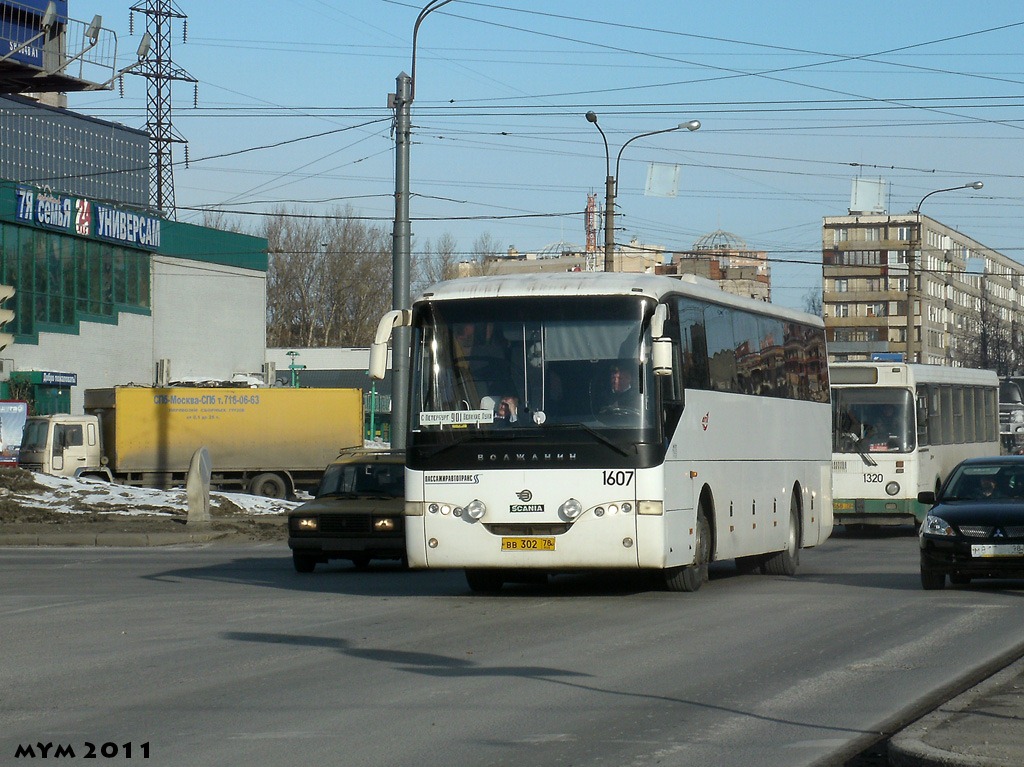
(401, 241)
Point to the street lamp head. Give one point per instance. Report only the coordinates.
(976, 185)
(690, 126)
(592, 117)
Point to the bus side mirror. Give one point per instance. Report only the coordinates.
(378, 361)
(379, 349)
(661, 356)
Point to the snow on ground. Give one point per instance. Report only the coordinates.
(83, 496)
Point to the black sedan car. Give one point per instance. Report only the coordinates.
(975, 527)
(357, 513)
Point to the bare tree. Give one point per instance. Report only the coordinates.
(485, 251)
(988, 340)
(438, 261)
(328, 282)
(813, 303)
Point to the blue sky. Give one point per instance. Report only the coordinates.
(795, 99)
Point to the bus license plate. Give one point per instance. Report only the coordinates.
(527, 544)
(997, 550)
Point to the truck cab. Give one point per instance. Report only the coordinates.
(62, 445)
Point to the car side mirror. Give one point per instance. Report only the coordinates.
(926, 497)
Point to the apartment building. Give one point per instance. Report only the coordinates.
(962, 291)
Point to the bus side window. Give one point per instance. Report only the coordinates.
(922, 418)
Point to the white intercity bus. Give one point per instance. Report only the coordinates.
(578, 421)
(899, 429)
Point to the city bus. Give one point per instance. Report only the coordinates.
(899, 429)
(595, 421)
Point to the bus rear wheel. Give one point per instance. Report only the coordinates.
(692, 577)
(785, 562)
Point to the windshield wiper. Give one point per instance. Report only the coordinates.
(868, 460)
(592, 432)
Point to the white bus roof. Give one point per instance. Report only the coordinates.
(904, 374)
(606, 284)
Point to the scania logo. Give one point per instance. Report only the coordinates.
(525, 496)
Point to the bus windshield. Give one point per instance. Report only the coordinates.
(869, 420)
(484, 366)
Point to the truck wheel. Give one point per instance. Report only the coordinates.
(269, 486)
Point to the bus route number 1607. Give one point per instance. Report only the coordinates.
(619, 478)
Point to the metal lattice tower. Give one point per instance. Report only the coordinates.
(160, 72)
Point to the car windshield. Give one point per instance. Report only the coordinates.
(984, 482)
(373, 478)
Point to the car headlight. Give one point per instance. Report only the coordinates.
(384, 525)
(936, 526)
(306, 523)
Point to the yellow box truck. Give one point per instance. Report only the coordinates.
(266, 441)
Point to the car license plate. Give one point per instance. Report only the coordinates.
(527, 544)
(997, 550)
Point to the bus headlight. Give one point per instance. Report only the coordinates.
(1018, 416)
(892, 488)
(475, 509)
(571, 509)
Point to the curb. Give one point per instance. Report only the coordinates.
(108, 539)
(908, 748)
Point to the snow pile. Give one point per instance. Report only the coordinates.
(85, 496)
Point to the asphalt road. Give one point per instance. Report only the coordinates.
(225, 656)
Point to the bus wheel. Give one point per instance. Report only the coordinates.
(484, 581)
(691, 577)
(785, 562)
(747, 565)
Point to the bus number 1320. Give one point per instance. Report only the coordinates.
(618, 478)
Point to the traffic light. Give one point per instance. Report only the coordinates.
(6, 315)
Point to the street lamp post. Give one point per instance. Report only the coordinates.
(401, 241)
(611, 183)
(917, 244)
